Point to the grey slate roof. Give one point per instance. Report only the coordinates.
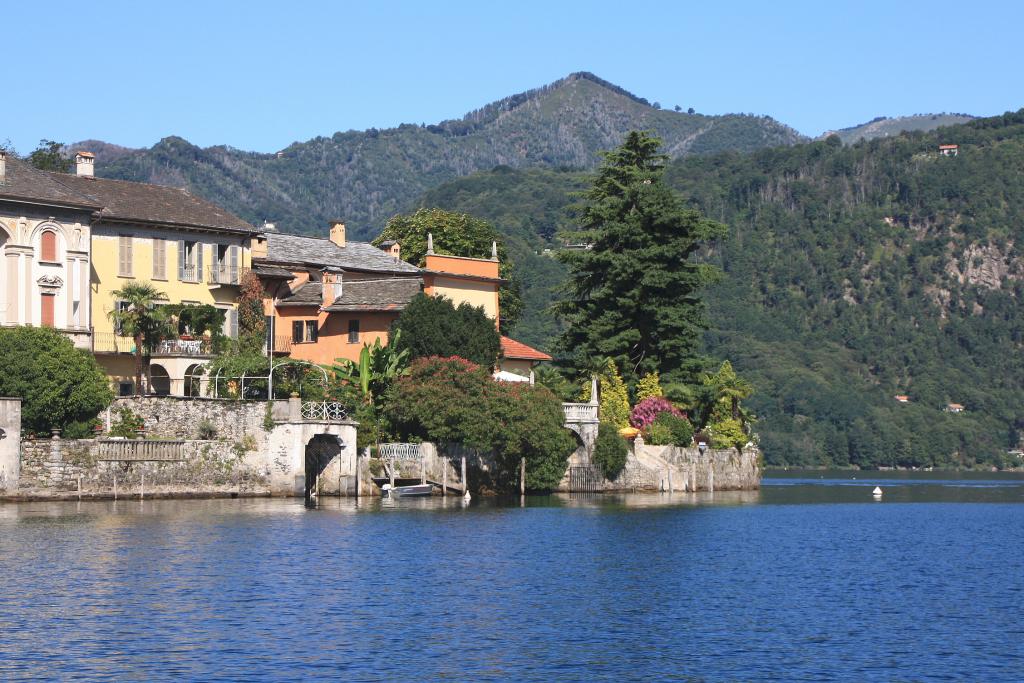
(307, 294)
(147, 203)
(117, 199)
(22, 181)
(322, 252)
(271, 271)
(376, 295)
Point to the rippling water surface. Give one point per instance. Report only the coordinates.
(808, 579)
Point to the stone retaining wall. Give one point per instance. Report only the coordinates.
(659, 468)
(172, 417)
(55, 467)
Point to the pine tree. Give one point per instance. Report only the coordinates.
(634, 296)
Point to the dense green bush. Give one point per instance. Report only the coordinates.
(669, 429)
(434, 326)
(610, 450)
(128, 424)
(450, 400)
(60, 386)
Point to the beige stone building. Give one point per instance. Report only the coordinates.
(44, 252)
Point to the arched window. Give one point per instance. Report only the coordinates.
(49, 246)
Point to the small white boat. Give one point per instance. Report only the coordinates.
(404, 491)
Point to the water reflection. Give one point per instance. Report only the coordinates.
(806, 579)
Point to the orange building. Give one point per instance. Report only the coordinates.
(330, 297)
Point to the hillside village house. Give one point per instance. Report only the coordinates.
(327, 298)
(106, 234)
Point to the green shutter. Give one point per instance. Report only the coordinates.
(181, 260)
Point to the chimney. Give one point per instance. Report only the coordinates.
(338, 232)
(332, 287)
(3, 166)
(391, 248)
(83, 163)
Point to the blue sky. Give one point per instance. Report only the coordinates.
(260, 75)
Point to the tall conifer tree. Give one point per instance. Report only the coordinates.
(634, 296)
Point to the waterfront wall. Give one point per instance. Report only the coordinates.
(10, 443)
(257, 449)
(65, 467)
(665, 468)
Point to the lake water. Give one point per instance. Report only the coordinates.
(807, 579)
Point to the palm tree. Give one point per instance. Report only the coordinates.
(142, 320)
(725, 383)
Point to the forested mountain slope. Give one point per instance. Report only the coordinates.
(884, 126)
(365, 177)
(852, 274)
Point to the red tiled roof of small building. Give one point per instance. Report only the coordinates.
(510, 348)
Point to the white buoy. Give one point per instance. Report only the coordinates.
(877, 493)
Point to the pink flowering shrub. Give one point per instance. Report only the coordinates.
(648, 409)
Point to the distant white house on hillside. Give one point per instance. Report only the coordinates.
(949, 150)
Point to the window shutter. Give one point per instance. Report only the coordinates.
(233, 273)
(200, 248)
(313, 331)
(159, 259)
(297, 331)
(233, 321)
(181, 259)
(123, 267)
(129, 259)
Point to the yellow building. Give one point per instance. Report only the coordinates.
(192, 251)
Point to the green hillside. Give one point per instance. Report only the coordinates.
(853, 273)
(884, 126)
(368, 176)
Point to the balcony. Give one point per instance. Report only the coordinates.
(579, 413)
(224, 274)
(108, 342)
(282, 345)
(185, 346)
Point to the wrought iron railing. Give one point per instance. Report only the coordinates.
(178, 346)
(281, 345)
(224, 274)
(323, 411)
(580, 412)
(189, 273)
(399, 451)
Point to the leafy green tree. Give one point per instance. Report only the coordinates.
(143, 319)
(456, 234)
(49, 156)
(610, 450)
(635, 295)
(433, 326)
(252, 324)
(649, 386)
(450, 400)
(726, 384)
(60, 386)
(613, 394)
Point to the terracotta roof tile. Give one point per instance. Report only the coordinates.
(512, 349)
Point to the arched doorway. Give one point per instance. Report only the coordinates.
(193, 380)
(320, 451)
(161, 381)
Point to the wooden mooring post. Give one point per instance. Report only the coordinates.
(465, 486)
(115, 487)
(522, 476)
(444, 477)
(142, 487)
(357, 475)
(423, 470)
(79, 487)
(669, 471)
